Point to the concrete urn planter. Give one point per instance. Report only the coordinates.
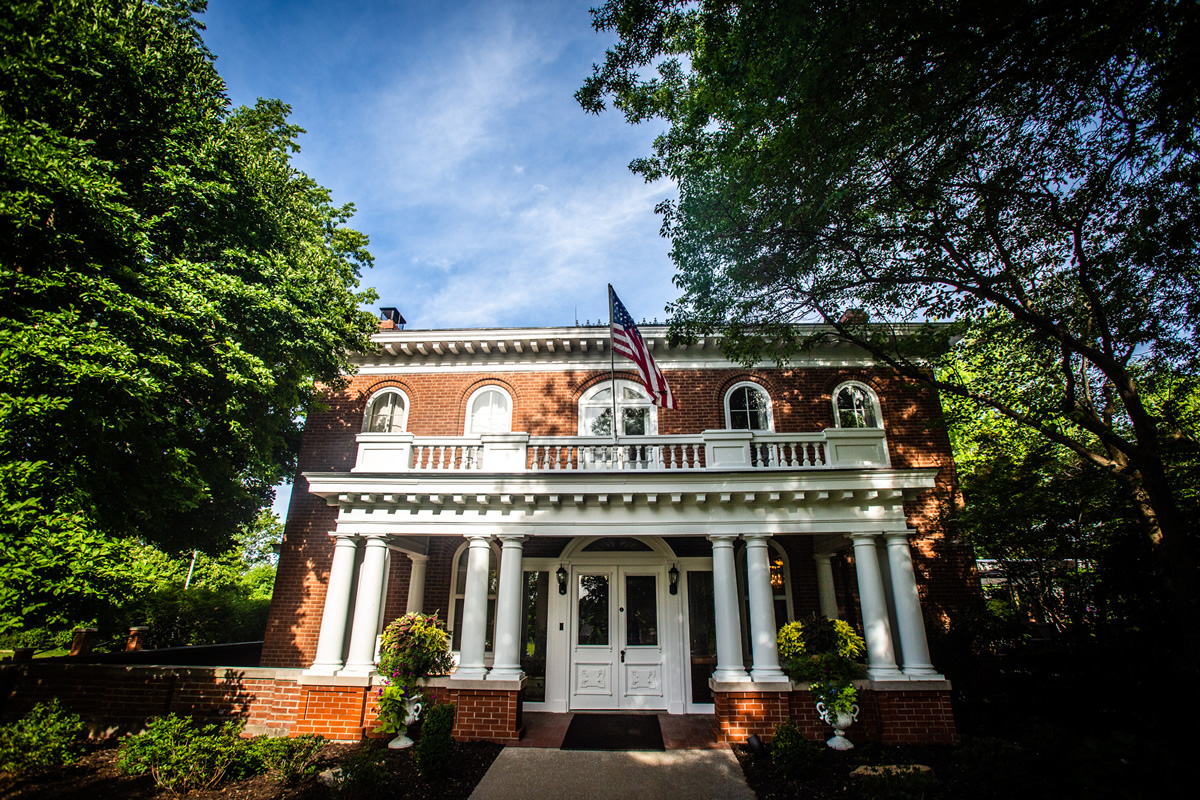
(840, 720)
(412, 711)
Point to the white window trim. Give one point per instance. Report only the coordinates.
(586, 401)
(762, 390)
(491, 387)
(837, 417)
(376, 396)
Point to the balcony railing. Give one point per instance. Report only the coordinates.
(832, 448)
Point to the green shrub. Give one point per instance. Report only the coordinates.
(435, 748)
(904, 784)
(290, 760)
(48, 736)
(791, 753)
(181, 756)
(363, 776)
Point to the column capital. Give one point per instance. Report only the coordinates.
(822, 556)
(477, 539)
(344, 538)
(864, 536)
(416, 558)
(375, 538)
(756, 537)
(722, 538)
(893, 535)
(508, 539)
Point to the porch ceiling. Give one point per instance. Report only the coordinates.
(626, 503)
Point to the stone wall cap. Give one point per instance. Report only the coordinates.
(749, 686)
(450, 682)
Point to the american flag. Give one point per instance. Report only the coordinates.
(628, 342)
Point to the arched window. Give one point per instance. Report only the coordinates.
(387, 412)
(748, 408)
(489, 411)
(856, 406)
(458, 591)
(638, 415)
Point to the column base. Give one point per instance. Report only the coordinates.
(359, 670)
(922, 672)
(469, 674)
(886, 674)
(731, 676)
(767, 675)
(323, 670)
(505, 674)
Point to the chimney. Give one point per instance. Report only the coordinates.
(390, 319)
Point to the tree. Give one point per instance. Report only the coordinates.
(1027, 167)
(172, 291)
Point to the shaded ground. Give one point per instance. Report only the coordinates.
(96, 777)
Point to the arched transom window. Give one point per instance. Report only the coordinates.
(387, 412)
(489, 411)
(855, 406)
(637, 414)
(748, 408)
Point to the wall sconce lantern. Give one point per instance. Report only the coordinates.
(561, 574)
(673, 577)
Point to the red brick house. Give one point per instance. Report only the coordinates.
(475, 473)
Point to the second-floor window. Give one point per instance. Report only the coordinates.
(638, 415)
(489, 411)
(855, 406)
(748, 408)
(387, 412)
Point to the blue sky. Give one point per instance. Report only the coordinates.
(490, 197)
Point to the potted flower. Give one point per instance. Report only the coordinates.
(823, 652)
(414, 646)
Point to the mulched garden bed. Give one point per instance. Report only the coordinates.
(96, 776)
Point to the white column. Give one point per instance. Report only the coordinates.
(367, 604)
(881, 660)
(913, 644)
(416, 584)
(474, 621)
(762, 610)
(506, 666)
(337, 606)
(825, 590)
(729, 628)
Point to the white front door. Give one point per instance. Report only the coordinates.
(617, 640)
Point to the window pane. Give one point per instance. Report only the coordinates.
(599, 422)
(635, 420)
(593, 609)
(702, 630)
(641, 611)
(603, 394)
(533, 634)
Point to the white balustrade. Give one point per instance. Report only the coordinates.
(718, 450)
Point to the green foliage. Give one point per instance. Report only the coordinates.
(414, 646)
(363, 776)
(791, 753)
(1032, 175)
(391, 708)
(48, 736)
(287, 760)
(197, 615)
(435, 748)
(822, 651)
(174, 293)
(903, 784)
(993, 767)
(181, 756)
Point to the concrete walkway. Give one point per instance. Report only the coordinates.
(537, 774)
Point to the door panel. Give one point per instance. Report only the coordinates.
(617, 641)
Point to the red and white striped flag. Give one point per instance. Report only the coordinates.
(627, 341)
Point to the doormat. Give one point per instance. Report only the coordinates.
(613, 732)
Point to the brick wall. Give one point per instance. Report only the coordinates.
(891, 717)
(118, 699)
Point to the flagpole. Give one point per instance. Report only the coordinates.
(612, 363)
